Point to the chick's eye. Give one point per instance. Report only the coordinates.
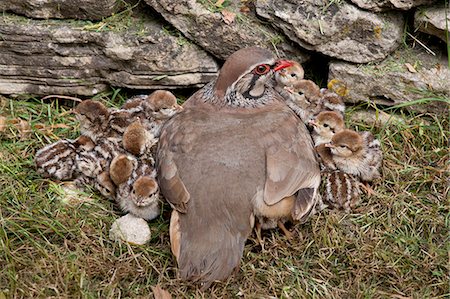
(293, 75)
(325, 125)
(262, 69)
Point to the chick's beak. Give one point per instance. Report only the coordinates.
(281, 64)
(312, 123)
(329, 145)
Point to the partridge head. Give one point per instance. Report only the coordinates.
(121, 168)
(137, 140)
(137, 190)
(235, 131)
(102, 183)
(93, 117)
(325, 125)
(288, 76)
(160, 99)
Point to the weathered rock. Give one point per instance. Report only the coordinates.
(56, 57)
(337, 30)
(61, 9)
(431, 20)
(383, 5)
(130, 229)
(407, 75)
(207, 27)
(376, 118)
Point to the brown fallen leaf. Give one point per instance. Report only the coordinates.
(2, 123)
(410, 68)
(244, 9)
(228, 16)
(160, 293)
(24, 128)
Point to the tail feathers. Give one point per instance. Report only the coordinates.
(209, 254)
(304, 204)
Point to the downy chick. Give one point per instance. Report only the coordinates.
(93, 117)
(138, 193)
(289, 76)
(325, 125)
(137, 140)
(101, 183)
(58, 160)
(341, 190)
(330, 101)
(358, 154)
(159, 107)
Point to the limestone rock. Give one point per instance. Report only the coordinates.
(222, 31)
(383, 5)
(61, 9)
(375, 118)
(407, 75)
(81, 58)
(338, 30)
(431, 20)
(130, 229)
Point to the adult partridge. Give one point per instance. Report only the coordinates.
(233, 153)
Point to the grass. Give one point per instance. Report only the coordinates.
(394, 245)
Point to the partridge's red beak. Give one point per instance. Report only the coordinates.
(281, 64)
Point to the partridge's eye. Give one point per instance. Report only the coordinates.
(262, 69)
(343, 146)
(325, 125)
(293, 75)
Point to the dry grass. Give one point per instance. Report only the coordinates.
(394, 245)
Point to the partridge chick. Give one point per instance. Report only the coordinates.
(287, 77)
(330, 101)
(58, 160)
(325, 125)
(340, 190)
(137, 140)
(93, 117)
(137, 193)
(159, 107)
(358, 154)
(102, 183)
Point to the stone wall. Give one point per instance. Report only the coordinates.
(56, 47)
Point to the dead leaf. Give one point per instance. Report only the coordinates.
(219, 3)
(160, 293)
(2, 123)
(24, 128)
(244, 9)
(228, 16)
(410, 68)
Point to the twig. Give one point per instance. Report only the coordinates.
(62, 97)
(422, 44)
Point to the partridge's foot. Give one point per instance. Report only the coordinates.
(286, 232)
(368, 189)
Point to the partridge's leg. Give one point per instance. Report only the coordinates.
(258, 234)
(286, 232)
(368, 189)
